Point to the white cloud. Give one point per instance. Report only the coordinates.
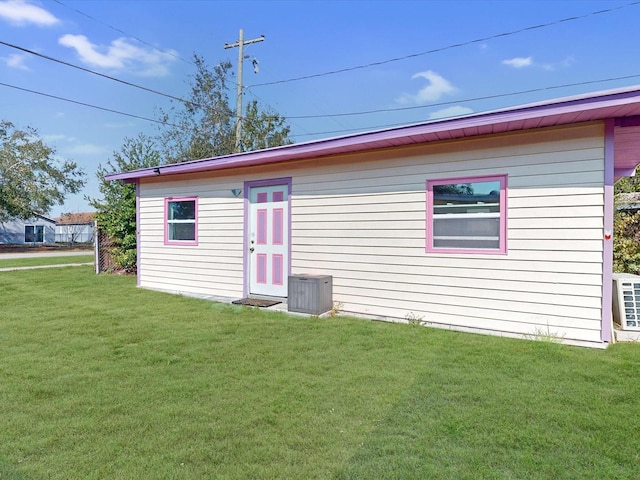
(15, 61)
(86, 149)
(519, 62)
(55, 137)
(119, 55)
(566, 63)
(456, 111)
(68, 145)
(437, 88)
(20, 12)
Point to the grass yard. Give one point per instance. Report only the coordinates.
(99, 379)
(43, 261)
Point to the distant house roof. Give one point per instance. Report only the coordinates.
(623, 105)
(29, 221)
(76, 218)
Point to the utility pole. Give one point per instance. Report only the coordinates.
(240, 44)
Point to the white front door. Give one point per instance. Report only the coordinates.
(268, 240)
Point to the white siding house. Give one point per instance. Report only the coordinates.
(75, 228)
(36, 230)
(496, 223)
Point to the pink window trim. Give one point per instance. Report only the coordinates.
(278, 226)
(262, 227)
(278, 196)
(166, 221)
(261, 271)
(276, 269)
(263, 197)
(502, 250)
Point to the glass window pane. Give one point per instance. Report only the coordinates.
(182, 231)
(477, 193)
(471, 244)
(466, 227)
(182, 210)
(29, 234)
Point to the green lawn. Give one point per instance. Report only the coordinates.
(99, 379)
(42, 261)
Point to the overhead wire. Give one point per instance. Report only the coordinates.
(274, 110)
(84, 104)
(486, 97)
(504, 34)
(93, 72)
(341, 114)
(167, 52)
(298, 117)
(449, 47)
(475, 99)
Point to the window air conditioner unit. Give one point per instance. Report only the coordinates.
(626, 301)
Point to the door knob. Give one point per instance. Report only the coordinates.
(251, 249)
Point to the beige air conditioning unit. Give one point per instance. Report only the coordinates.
(626, 301)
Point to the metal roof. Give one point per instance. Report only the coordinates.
(620, 104)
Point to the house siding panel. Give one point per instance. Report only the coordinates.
(364, 224)
(361, 219)
(211, 267)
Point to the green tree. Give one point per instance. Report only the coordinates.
(627, 185)
(116, 211)
(626, 228)
(32, 179)
(204, 125)
(453, 189)
(263, 129)
(201, 126)
(626, 242)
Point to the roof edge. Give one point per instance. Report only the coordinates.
(396, 136)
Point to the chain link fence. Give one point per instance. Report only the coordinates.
(103, 245)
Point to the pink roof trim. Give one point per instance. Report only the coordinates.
(596, 106)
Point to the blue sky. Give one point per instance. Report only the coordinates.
(421, 60)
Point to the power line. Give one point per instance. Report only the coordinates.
(449, 47)
(475, 99)
(487, 97)
(267, 105)
(62, 62)
(88, 105)
(167, 52)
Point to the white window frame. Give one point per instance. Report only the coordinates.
(35, 233)
(168, 222)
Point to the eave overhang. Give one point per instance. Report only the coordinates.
(623, 105)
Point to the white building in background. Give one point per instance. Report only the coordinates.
(75, 228)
